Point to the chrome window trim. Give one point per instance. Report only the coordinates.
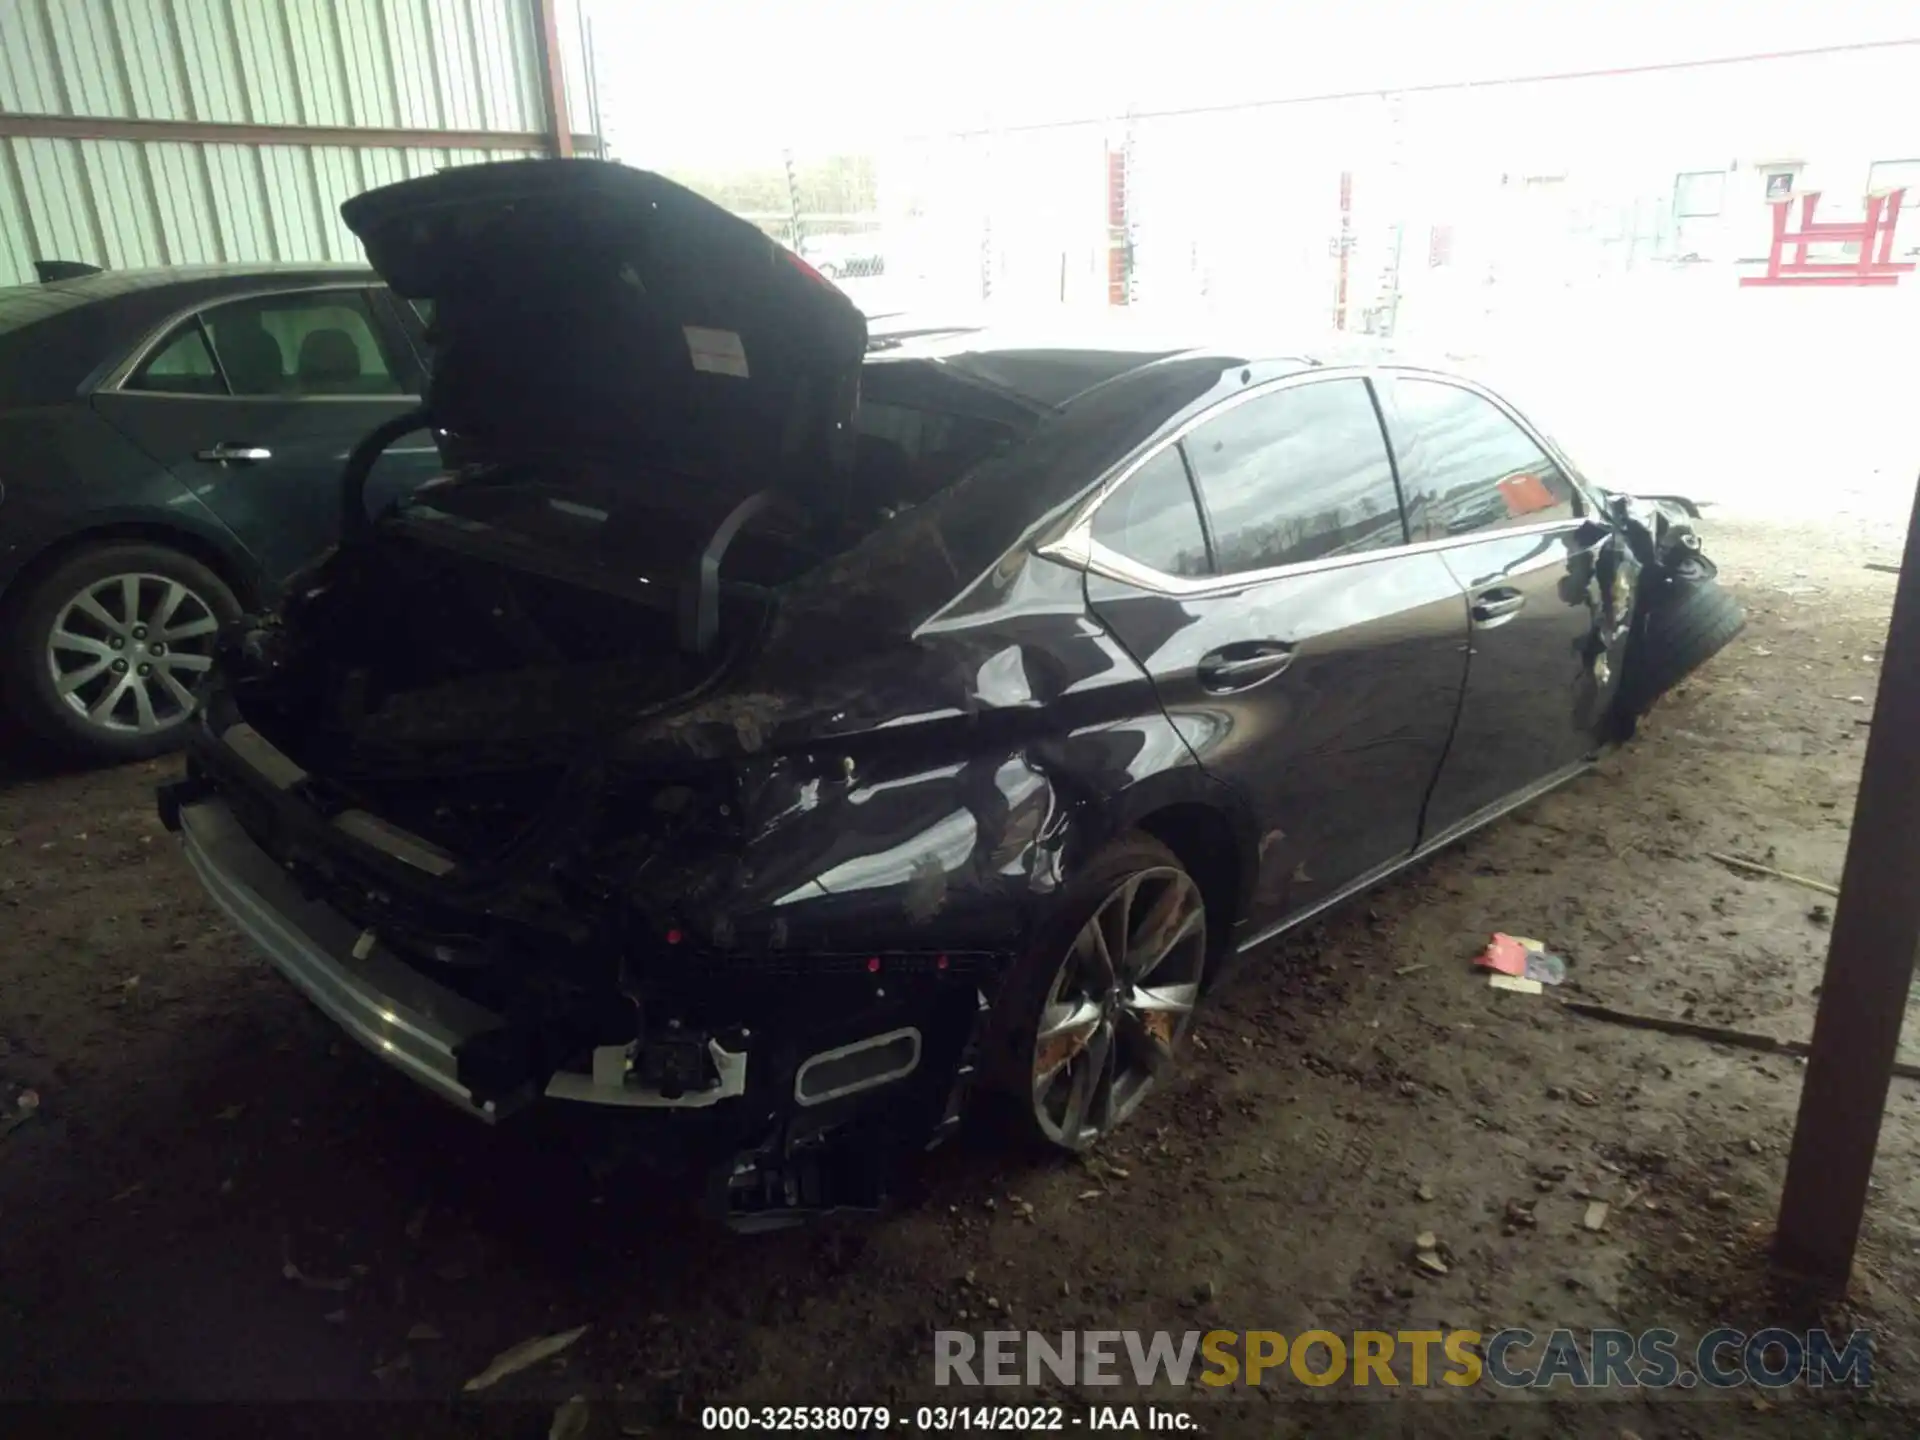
(1115, 566)
(1077, 547)
(116, 381)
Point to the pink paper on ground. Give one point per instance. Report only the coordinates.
(1505, 954)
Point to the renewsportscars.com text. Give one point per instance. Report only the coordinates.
(1512, 1358)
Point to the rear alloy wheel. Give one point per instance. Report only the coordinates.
(1116, 1006)
(115, 643)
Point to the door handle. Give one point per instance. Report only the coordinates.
(224, 453)
(1490, 607)
(1241, 667)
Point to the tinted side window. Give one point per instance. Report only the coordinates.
(317, 342)
(1153, 519)
(1466, 467)
(181, 366)
(1297, 475)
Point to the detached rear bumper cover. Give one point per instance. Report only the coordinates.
(405, 1018)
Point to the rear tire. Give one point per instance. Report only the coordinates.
(1109, 989)
(1687, 624)
(104, 652)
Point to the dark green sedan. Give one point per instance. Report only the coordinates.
(170, 446)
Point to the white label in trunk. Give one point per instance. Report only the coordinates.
(719, 352)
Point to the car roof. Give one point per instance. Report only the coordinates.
(23, 304)
(54, 335)
(1053, 359)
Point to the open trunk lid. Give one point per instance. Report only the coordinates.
(586, 310)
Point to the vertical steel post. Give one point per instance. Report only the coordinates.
(1870, 960)
(546, 38)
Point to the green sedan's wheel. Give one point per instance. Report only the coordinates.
(110, 647)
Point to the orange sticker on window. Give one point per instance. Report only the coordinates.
(1525, 494)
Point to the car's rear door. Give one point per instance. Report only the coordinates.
(254, 403)
(1509, 522)
(1309, 658)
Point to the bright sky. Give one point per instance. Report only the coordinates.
(724, 80)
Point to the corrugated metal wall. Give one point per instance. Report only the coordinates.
(401, 64)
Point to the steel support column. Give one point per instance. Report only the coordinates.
(1870, 961)
(546, 34)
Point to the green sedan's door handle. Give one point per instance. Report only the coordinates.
(227, 454)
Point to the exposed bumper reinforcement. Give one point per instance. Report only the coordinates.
(400, 1015)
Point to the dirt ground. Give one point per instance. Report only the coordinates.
(201, 1130)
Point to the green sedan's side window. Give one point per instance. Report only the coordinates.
(181, 366)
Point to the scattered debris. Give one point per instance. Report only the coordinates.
(314, 1282)
(231, 1113)
(571, 1419)
(1424, 1192)
(25, 1106)
(1091, 1194)
(1426, 1253)
(1719, 1034)
(422, 1331)
(397, 1366)
(1411, 969)
(1516, 955)
(521, 1356)
(335, 1317)
(1519, 984)
(1820, 915)
(1739, 862)
(1883, 569)
(1596, 1216)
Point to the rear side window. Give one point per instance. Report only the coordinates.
(1466, 467)
(1152, 518)
(297, 345)
(1299, 474)
(320, 342)
(183, 365)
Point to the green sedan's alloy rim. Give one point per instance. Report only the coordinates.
(127, 652)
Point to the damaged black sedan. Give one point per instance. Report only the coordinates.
(792, 737)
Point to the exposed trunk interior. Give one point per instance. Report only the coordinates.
(484, 636)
